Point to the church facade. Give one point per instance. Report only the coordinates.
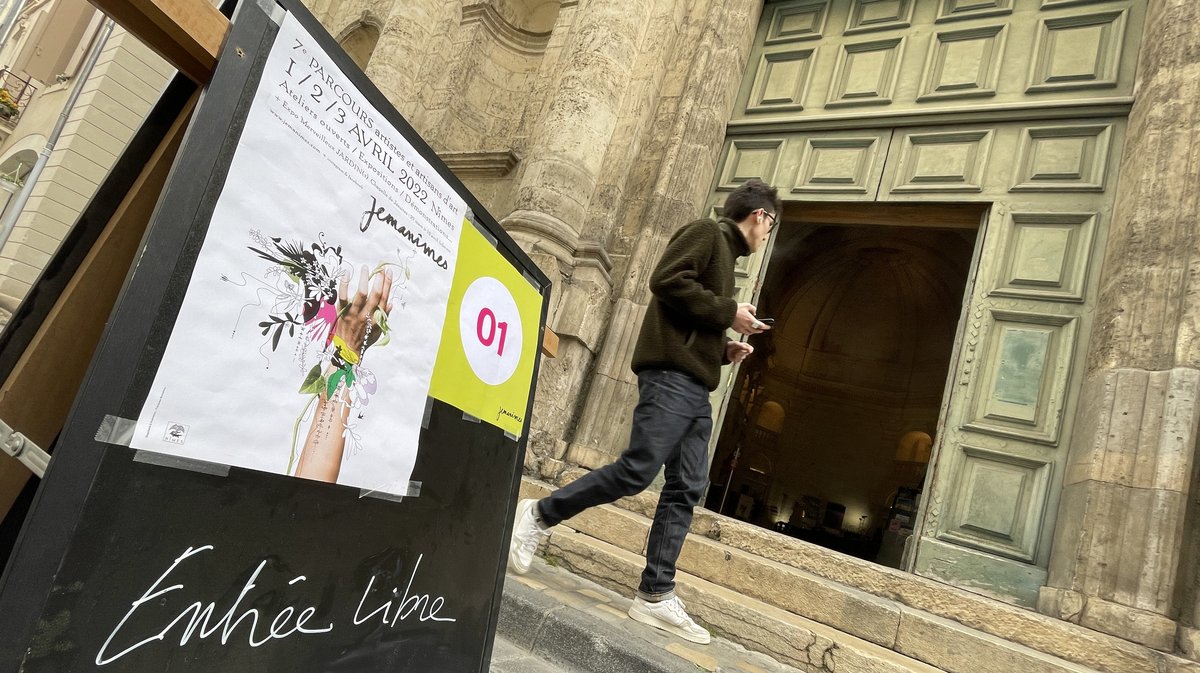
(985, 368)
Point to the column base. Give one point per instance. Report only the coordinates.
(589, 457)
(1189, 642)
(536, 231)
(1140, 626)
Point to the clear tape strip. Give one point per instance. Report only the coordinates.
(116, 430)
(272, 10)
(530, 279)
(414, 490)
(179, 463)
(428, 413)
(483, 231)
(119, 432)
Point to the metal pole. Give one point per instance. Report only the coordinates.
(13, 13)
(13, 211)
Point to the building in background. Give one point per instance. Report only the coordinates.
(47, 45)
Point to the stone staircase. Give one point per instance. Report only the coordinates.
(822, 611)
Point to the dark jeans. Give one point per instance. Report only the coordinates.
(671, 426)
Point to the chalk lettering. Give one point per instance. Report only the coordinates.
(410, 604)
(198, 616)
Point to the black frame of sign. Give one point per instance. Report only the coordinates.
(103, 525)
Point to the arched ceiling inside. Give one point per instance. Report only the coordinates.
(870, 307)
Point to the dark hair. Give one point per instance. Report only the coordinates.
(749, 197)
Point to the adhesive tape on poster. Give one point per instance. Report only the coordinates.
(178, 463)
(414, 490)
(272, 10)
(119, 432)
(483, 231)
(475, 419)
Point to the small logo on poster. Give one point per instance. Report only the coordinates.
(176, 433)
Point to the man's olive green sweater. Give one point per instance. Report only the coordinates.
(693, 305)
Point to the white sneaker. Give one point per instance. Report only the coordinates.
(669, 616)
(527, 534)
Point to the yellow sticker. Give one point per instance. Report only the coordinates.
(490, 336)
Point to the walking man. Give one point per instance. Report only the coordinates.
(678, 358)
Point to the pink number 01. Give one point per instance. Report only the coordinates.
(486, 316)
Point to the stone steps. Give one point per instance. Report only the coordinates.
(563, 619)
(954, 630)
(759, 627)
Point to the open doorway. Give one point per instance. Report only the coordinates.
(829, 430)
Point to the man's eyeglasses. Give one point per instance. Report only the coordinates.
(774, 219)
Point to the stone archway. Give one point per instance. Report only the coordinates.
(359, 40)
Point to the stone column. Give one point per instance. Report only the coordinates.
(408, 42)
(563, 160)
(558, 178)
(1189, 626)
(1115, 565)
(680, 188)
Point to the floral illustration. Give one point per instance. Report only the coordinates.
(307, 305)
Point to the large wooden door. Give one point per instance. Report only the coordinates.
(1015, 105)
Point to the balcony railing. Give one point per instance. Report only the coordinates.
(15, 94)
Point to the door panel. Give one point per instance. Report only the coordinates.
(991, 501)
(1015, 105)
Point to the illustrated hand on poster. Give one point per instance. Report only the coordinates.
(342, 383)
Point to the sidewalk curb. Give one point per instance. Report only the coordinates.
(534, 621)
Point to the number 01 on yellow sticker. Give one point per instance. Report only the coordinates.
(490, 338)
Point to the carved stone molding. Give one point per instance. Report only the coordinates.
(365, 18)
(543, 232)
(503, 31)
(495, 164)
(592, 254)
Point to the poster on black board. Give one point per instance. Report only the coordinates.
(314, 316)
(280, 273)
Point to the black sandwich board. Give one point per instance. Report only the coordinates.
(130, 564)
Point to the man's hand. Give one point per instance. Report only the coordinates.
(745, 322)
(736, 351)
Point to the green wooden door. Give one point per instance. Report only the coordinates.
(1018, 106)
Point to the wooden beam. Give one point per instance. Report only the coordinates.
(187, 33)
(550, 343)
(39, 392)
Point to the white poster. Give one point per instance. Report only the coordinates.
(308, 335)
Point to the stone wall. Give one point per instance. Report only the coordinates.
(592, 130)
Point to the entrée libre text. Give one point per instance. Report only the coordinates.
(199, 621)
